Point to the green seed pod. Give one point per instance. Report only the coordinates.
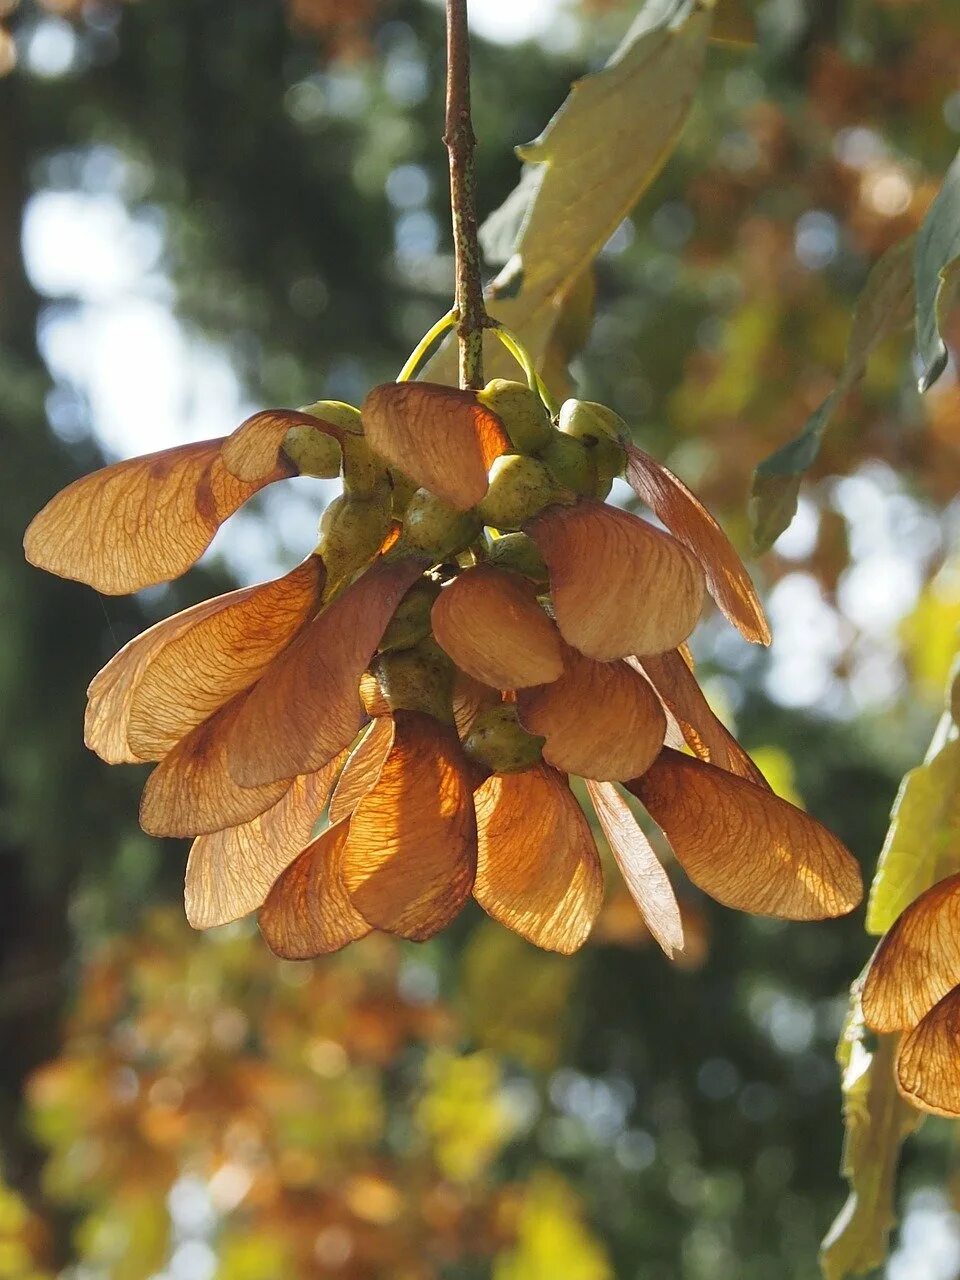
(314, 452)
(434, 529)
(411, 622)
(403, 490)
(520, 553)
(351, 531)
(582, 418)
(520, 410)
(571, 462)
(603, 430)
(364, 472)
(338, 414)
(611, 462)
(498, 741)
(519, 488)
(417, 679)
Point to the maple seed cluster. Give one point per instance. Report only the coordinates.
(392, 726)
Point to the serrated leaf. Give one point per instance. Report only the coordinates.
(935, 267)
(591, 165)
(877, 1121)
(884, 307)
(923, 842)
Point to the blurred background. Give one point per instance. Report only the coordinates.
(207, 206)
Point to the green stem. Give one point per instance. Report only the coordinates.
(420, 351)
(522, 357)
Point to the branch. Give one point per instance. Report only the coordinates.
(460, 141)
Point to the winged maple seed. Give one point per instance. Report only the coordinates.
(392, 726)
(913, 987)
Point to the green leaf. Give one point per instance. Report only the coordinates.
(776, 482)
(935, 267)
(923, 842)
(877, 1121)
(569, 335)
(884, 307)
(587, 170)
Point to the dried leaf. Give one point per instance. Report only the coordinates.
(112, 689)
(253, 450)
(928, 1064)
(917, 962)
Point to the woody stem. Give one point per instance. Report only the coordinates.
(460, 141)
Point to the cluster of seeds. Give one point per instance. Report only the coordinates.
(393, 725)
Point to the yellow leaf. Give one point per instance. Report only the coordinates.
(877, 1122)
(776, 765)
(128, 1237)
(931, 632)
(923, 842)
(515, 997)
(463, 1114)
(552, 1239)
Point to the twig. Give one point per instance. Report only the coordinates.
(460, 141)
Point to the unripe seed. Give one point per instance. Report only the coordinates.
(571, 462)
(338, 414)
(498, 741)
(520, 487)
(611, 461)
(351, 531)
(434, 529)
(364, 472)
(313, 451)
(604, 430)
(520, 410)
(403, 490)
(417, 679)
(588, 418)
(520, 553)
(411, 622)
